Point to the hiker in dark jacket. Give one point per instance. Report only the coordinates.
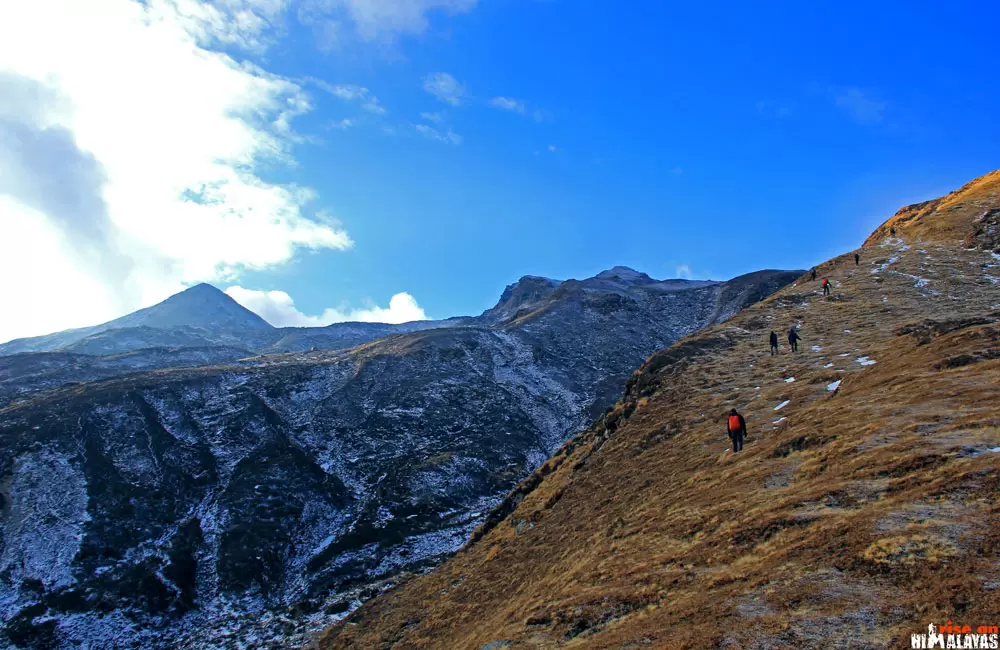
(737, 428)
(793, 339)
(857, 259)
(812, 274)
(774, 343)
(826, 287)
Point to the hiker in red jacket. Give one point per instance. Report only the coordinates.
(737, 430)
(826, 287)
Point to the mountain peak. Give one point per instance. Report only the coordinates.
(529, 290)
(201, 305)
(624, 274)
(202, 288)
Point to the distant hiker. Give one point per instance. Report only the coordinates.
(793, 339)
(857, 260)
(892, 232)
(774, 343)
(737, 428)
(812, 274)
(826, 287)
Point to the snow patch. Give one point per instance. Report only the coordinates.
(782, 405)
(865, 361)
(829, 365)
(884, 266)
(833, 386)
(44, 519)
(816, 348)
(790, 380)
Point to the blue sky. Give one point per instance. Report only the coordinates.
(461, 144)
(718, 139)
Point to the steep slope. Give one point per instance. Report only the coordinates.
(863, 507)
(244, 502)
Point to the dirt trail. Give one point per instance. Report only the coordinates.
(858, 512)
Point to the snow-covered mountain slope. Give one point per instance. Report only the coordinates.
(259, 498)
(203, 316)
(200, 315)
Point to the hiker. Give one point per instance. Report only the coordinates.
(892, 232)
(774, 343)
(857, 260)
(812, 274)
(826, 287)
(793, 339)
(737, 430)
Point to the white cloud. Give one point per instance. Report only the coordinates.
(278, 308)
(437, 118)
(134, 150)
(373, 20)
(445, 87)
(860, 106)
(352, 93)
(448, 137)
(246, 24)
(345, 92)
(683, 271)
(508, 104)
(343, 124)
(552, 148)
(373, 107)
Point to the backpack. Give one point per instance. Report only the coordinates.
(734, 423)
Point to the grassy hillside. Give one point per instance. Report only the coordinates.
(858, 512)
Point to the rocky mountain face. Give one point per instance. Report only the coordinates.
(862, 508)
(200, 497)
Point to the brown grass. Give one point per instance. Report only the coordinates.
(864, 515)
